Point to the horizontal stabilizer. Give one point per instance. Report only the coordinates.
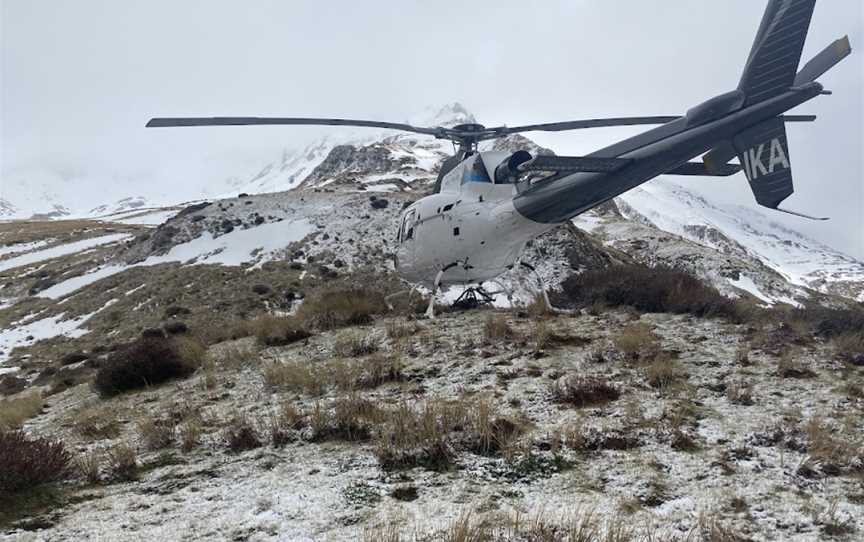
(699, 169)
(574, 164)
(802, 215)
(824, 61)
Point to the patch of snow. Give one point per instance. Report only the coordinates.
(61, 250)
(38, 330)
(149, 219)
(256, 245)
(746, 283)
(23, 247)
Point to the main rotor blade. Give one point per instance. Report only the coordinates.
(583, 124)
(247, 121)
(606, 123)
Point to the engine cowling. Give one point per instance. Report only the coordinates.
(508, 170)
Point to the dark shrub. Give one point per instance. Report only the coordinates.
(74, 357)
(647, 289)
(153, 333)
(241, 435)
(175, 310)
(146, 362)
(261, 289)
(583, 391)
(26, 462)
(176, 328)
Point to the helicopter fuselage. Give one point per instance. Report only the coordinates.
(470, 230)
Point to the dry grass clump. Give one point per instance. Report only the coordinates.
(147, 362)
(284, 424)
(97, 422)
(836, 447)
(580, 437)
(379, 369)
(355, 345)
(496, 328)
(664, 372)
(430, 435)
(350, 418)
(399, 330)
(17, 409)
(272, 330)
(789, 365)
(242, 435)
(155, 434)
(649, 289)
(300, 377)
(189, 434)
(584, 390)
(122, 462)
(340, 307)
(850, 347)
(574, 526)
(87, 466)
(26, 462)
(739, 392)
(234, 355)
(637, 342)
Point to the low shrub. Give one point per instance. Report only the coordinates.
(26, 462)
(17, 409)
(272, 330)
(582, 391)
(340, 307)
(147, 362)
(637, 342)
(155, 434)
(648, 289)
(663, 372)
(355, 345)
(122, 461)
(241, 435)
(496, 328)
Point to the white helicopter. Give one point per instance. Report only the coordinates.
(488, 205)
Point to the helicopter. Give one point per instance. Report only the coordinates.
(488, 205)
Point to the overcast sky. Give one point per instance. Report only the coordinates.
(80, 78)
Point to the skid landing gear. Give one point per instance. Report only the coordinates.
(472, 298)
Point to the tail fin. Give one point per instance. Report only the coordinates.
(764, 154)
(776, 52)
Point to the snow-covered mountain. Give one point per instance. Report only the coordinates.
(737, 248)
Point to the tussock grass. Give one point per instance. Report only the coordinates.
(355, 345)
(16, 410)
(430, 434)
(739, 392)
(284, 424)
(87, 467)
(97, 422)
(241, 435)
(339, 307)
(272, 330)
(155, 434)
(582, 391)
(234, 355)
(122, 462)
(299, 377)
(664, 372)
(400, 330)
(189, 434)
(637, 342)
(496, 328)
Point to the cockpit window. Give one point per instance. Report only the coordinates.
(475, 172)
(406, 229)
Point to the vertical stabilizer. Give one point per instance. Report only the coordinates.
(776, 52)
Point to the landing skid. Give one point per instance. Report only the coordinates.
(473, 297)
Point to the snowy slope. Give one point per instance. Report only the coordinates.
(743, 232)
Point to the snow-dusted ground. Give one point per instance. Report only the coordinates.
(308, 491)
(61, 250)
(36, 330)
